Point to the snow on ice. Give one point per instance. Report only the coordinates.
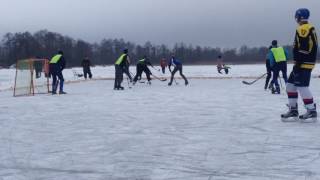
(212, 129)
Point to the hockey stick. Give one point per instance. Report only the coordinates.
(160, 79)
(131, 74)
(250, 83)
(128, 83)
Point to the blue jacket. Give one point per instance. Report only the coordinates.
(175, 62)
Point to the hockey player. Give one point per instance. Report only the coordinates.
(177, 67)
(38, 68)
(86, 67)
(142, 66)
(278, 62)
(57, 64)
(163, 64)
(219, 64)
(304, 55)
(119, 69)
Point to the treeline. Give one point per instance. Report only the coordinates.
(44, 44)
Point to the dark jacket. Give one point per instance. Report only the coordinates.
(86, 64)
(144, 62)
(59, 66)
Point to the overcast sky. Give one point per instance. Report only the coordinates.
(222, 23)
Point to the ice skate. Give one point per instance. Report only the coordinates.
(275, 90)
(62, 92)
(310, 116)
(291, 116)
(118, 88)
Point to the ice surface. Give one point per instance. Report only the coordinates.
(212, 129)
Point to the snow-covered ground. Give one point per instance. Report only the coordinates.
(212, 129)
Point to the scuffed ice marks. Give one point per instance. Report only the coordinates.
(213, 129)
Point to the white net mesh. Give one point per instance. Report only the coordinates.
(31, 77)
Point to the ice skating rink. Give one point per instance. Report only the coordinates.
(211, 130)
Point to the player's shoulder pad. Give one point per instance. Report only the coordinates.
(305, 29)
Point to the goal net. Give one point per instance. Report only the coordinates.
(32, 77)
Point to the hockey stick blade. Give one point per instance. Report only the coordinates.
(246, 83)
(160, 79)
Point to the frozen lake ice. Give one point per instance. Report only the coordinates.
(212, 129)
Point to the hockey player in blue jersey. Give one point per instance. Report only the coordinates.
(278, 62)
(177, 67)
